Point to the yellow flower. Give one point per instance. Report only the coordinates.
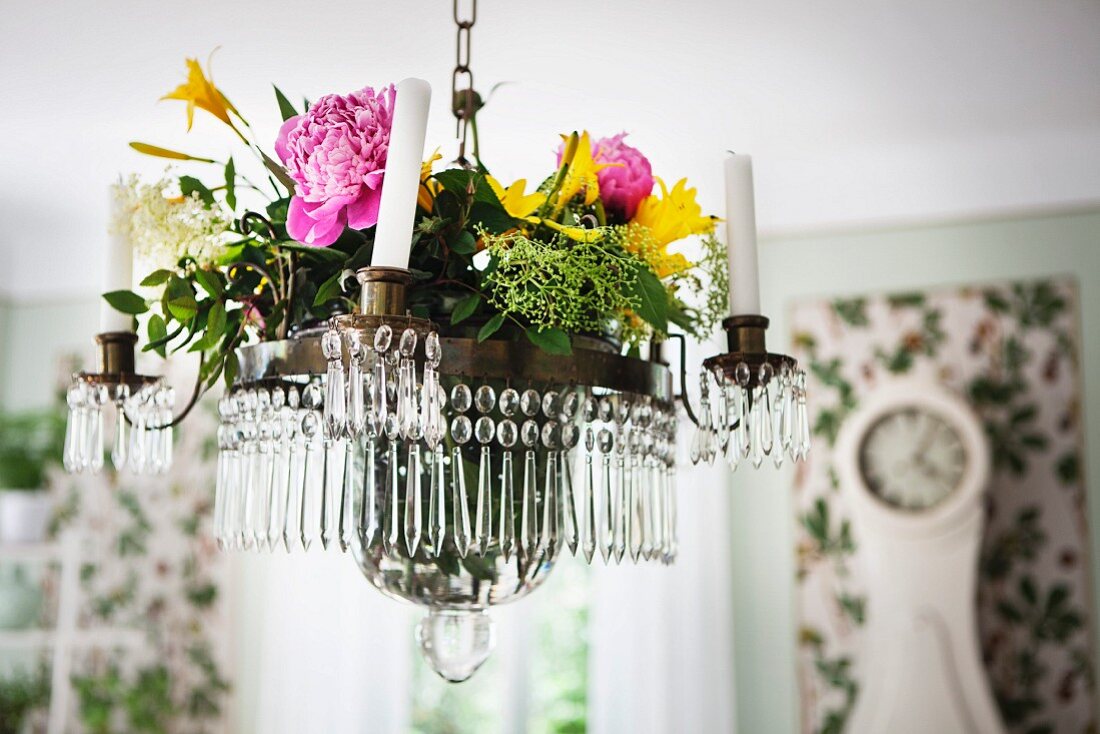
(674, 215)
(429, 187)
(580, 174)
(199, 91)
(517, 203)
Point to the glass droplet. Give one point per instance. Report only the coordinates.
(461, 429)
(742, 374)
(570, 435)
(461, 398)
(606, 410)
(606, 441)
(589, 439)
(590, 409)
(311, 396)
(382, 338)
(765, 373)
(484, 399)
(330, 344)
(311, 423)
(455, 643)
(507, 433)
(551, 404)
(569, 405)
(530, 433)
(407, 345)
(550, 434)
(432, 350)
(509, 401)
(529, 403)
(484, 429)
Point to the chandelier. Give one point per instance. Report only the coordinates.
(455, 467)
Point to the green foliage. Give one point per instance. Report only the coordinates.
(126, 302)
(30, 443)
(852, 312)
(286, 109)
(818, 525)
(1021, 542)
(21, 693)
(560, 284)
(143, 702)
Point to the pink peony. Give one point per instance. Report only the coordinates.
(336, 153)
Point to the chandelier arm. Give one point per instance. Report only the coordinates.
(247, 226)
(196, 393)
(683, 396)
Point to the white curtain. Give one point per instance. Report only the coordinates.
(319, 649)
(661, 656)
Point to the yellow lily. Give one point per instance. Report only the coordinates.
(429, 187)
(580, 174)
(673, 215)
(199, 91)
(577, 234)
(517, 203)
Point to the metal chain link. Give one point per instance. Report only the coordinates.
(464, 113)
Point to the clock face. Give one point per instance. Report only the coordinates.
(912, 458)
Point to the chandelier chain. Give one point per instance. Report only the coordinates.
(463, 76)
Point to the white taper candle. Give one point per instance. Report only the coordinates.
(397, 208)
(118, 270)
(744, 276)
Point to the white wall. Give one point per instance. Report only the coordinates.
(856, 111)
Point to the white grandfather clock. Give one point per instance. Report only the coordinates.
(913, 463)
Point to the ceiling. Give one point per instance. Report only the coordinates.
(855, 112)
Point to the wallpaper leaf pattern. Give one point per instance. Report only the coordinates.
(1011, 350)
(151, 564)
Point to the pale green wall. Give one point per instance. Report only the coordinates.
(793, 268)
(34, 338)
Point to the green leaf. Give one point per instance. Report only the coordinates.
(465, 308)
(159, 152)
(232, 366)
(330, 289)
(491, 327)
(492, 218)
(155, 278)
(191, 185)
(158, 333)
(551, 341)
(331, 254)
(279, 172)
(215, 328)
(126, 302)
(210, 281)
(231, 184)
(464, 243)
(179, 299)
(652, 299)
(286, 109)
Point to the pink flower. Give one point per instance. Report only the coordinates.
(622, 186)
(336, 153)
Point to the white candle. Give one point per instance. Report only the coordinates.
(397, 209)
(118, 270)
(741, 236)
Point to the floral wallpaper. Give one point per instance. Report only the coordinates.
(1012, 350)
(151, 564)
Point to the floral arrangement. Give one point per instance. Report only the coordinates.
(588, 250)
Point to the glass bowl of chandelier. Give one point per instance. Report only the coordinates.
(455, 472)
